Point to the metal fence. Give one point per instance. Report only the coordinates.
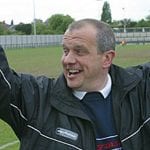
(20, 41)
(129, 35)
(132, 35)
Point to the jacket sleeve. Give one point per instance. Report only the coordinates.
(145, 102)
(7, 111)
(5, 85)
(21, 96)
(146, 109)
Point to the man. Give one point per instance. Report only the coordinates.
(93, 105)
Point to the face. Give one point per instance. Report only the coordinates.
(83, 66)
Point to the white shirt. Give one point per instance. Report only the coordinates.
(105, 91)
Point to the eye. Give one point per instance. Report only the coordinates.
(81, 51)
(78, 51)
(65, 51)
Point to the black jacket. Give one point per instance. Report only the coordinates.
(46, 116)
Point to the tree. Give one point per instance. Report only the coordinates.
(3, 29)
(132, 24)
(116, 24)
(58, 23)
(24, 28)
(41, 27)
(12, 23)
(125, 22)
(143, 23)
(106, 13)
(148, 18)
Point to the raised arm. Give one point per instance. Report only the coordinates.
(9, 112)
(21, 95)
(5, 85)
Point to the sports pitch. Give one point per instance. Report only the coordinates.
(46, 61)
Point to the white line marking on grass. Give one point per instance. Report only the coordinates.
(8, 144)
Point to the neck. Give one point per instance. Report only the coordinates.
(97, 86)
(100, 85)
(104, 83)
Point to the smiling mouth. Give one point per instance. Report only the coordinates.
(72, 72)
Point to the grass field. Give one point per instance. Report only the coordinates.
(46, 61)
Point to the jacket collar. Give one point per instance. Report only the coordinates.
(125, 78)
(63, 99)
(105, 91)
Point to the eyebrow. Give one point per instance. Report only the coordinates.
(64, 46)
(79, 46)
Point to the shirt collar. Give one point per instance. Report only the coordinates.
(105, 91)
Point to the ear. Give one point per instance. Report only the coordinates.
(108, 57)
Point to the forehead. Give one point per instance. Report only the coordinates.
(85, 34)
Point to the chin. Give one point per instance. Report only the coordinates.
(72, 85)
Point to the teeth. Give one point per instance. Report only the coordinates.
(73, 71)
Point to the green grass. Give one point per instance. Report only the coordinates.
(36, 60)
(130, 55)
(4, 130)
(46, 61)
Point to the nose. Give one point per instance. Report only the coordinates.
(69, 58)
